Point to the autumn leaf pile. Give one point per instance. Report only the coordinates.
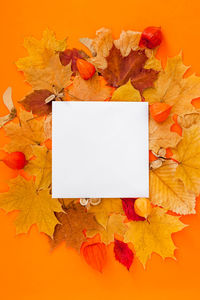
(115, 70)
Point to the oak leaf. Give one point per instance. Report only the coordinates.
(54, 77)
(40, 167)
(169, 192)
(103, 210)
(153, 235)
(24, 134)
(40, 51)
(187, 153)
(73, 221)
(35, 207)
(173, 89)
(94, 89)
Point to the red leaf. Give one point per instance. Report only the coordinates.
(35, 102)
(95, 253)
(128, 207)
(120, 69)
(123, 254)
(71, 55)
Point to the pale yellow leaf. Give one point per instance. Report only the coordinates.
(102, 44)
(128, 40)
(169, 192)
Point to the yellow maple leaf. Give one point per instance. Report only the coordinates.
(188, 155)
(153, 235)
(115, 225)
(168, 191)
(24, 134)
(126, 92)
(40, 51)
(94, 89)
(160, 135)
(40, 167)
(54, 77)
(103, 210)
(35, 207)
(171, 88)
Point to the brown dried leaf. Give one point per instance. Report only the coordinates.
(35, 102)
(120, 69)
(73, 221)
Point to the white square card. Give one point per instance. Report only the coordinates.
(100, 150)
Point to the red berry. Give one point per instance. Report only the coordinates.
(15, 160)
(85, 68)
(151, 37)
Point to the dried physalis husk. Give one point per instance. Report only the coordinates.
(142, 207)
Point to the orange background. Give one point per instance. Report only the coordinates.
(28, 271)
